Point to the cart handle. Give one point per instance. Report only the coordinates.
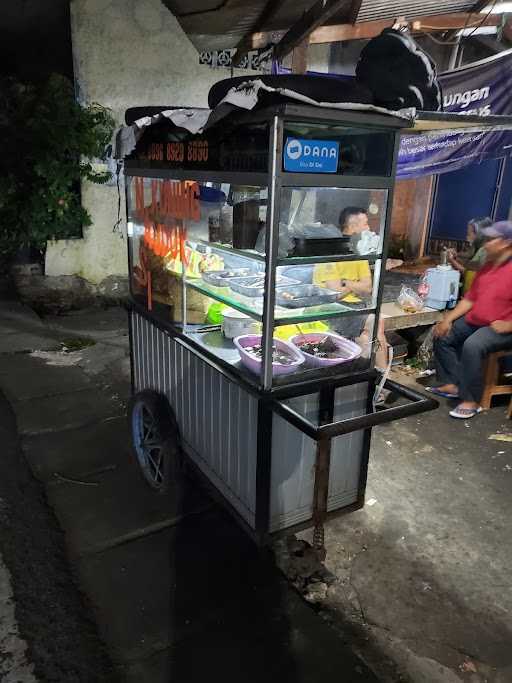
(419, 404)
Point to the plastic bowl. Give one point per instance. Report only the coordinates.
(349, 350)
(254, 364)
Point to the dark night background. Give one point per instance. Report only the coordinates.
(35, 39)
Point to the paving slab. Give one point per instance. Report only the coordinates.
(64, 411)
(97, 359)
(21, 341)
(278, 640)
(27, 377)
(204, 589)
(160, 589)
(15, 311)
(97, 323)
(102, 510)
(80, 452)
(8, 327)
(22, 330)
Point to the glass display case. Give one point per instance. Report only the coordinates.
(277, 275)
(256, 249)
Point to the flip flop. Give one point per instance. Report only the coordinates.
(437, 392)
(465, 413)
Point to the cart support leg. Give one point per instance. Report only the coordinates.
(321, 491)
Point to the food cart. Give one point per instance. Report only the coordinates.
(246, 361)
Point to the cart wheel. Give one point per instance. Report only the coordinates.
(155, 439)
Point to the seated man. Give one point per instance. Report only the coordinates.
(353, 281)
(480, 324)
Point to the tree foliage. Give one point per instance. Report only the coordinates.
(48, 144)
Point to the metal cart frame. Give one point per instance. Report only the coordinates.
(272, 399)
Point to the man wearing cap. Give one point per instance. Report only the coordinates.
(480, 324)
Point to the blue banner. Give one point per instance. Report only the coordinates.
(480, 89)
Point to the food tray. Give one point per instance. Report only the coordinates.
(221, 278)
(348, 350)
(255, 286)
(305, 295)
(254, 364)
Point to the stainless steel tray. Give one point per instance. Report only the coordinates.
(254, 286)
(305, 295)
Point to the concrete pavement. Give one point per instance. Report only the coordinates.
(46, 633)
(177, 591)
(424, 569)
(15, 666)
(423, 583)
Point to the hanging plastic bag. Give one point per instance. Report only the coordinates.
(368, 243)
(409, 301)
(425, 353)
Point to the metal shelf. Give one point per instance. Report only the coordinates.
(305, 260)
(254, 255)
(313, 316)
(202, 288)
(281, 317)
(291, 260)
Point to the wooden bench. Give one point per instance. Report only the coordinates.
(492, 379)
(395, 318)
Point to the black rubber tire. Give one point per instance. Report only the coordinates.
(165, 432)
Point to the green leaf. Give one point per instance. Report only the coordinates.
(48, 144)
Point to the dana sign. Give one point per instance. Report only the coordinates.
(310, 156)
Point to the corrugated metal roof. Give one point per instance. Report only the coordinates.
(220, 24)
(389, 9)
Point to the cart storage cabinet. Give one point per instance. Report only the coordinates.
(255, 253)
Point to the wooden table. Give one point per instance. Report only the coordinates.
(395, 318)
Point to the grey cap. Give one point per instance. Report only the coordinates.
(501, 229)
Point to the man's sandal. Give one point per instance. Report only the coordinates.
(465, 413)
(438, 392)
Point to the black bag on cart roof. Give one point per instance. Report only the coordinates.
(398, 73)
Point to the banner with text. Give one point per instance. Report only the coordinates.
(481, 89)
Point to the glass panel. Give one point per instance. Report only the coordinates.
(219, 148)
(325, 290)
(341, 345)
(327, 148)
(210, 228)
(197, 260)
(319, 222)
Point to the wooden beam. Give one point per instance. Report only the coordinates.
(316, 16)
(426, 218)
(300, 58)
(369, 29)
(454, 22)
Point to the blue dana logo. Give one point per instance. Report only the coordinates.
(311, 156)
